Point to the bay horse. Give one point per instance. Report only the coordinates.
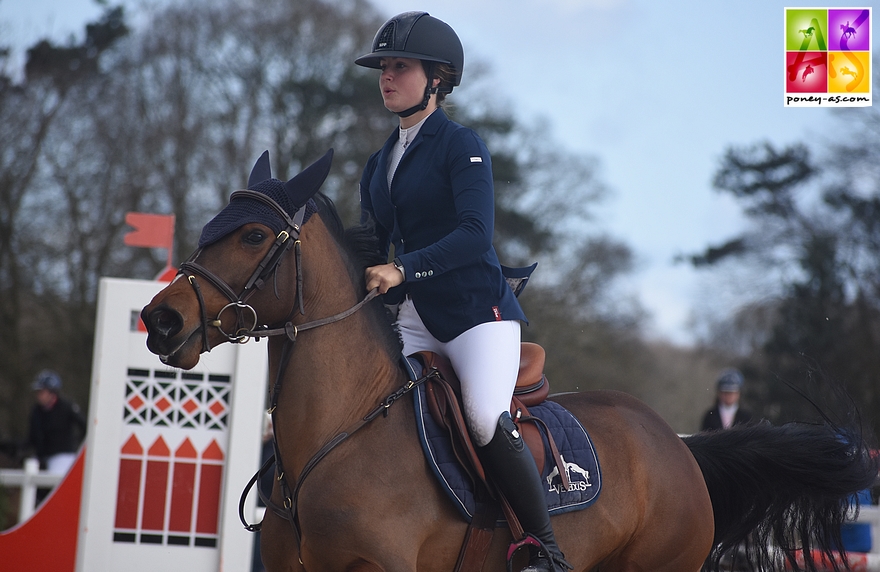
(353, 489)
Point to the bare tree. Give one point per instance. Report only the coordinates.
(29, 111)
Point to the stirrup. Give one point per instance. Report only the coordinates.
(534, 545)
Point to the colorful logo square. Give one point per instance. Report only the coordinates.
(807, 72)
(849, 30)
(849, 72)
(806, 29)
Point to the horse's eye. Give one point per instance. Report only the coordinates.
(255, 237)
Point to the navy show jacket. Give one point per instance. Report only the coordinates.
(440, 215)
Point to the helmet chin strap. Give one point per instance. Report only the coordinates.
(423, 105)
(429, 91)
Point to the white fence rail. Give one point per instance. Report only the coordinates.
(29, 479)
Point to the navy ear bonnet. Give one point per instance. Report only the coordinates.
(291, 196)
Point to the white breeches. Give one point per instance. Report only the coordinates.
(485, 358)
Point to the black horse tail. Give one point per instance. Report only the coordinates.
(782, 489)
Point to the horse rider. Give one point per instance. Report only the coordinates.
(429, 190)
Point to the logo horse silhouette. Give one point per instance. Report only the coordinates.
(846, 71)
(570, 469)
(847, 31)
(807, 71)
(808, 33)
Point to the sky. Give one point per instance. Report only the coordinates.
(656, 91)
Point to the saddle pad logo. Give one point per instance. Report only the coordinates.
(578, 478)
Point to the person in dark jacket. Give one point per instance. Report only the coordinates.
(429, 191)
(727, 411)
(56, 425)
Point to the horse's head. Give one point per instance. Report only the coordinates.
(235, 281)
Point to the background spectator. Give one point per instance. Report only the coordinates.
(57, 426)
(727, 412)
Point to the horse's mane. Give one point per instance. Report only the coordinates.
(360, 244)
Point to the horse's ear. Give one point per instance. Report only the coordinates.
(304, 185)
(261, 171)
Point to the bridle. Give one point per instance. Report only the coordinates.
(245, 330)
(285, 240)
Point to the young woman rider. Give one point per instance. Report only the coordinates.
(429, 190)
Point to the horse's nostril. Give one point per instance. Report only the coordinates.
(165, 322)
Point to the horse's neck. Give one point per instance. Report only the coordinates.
(338, 372)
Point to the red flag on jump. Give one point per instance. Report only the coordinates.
(150, 230)
(153, 231)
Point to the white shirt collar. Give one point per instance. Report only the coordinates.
(407, 135)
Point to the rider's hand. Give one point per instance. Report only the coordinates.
(384, 277)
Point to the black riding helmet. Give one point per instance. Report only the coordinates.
(420, 36)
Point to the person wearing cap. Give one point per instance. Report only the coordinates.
(429, 192)
(56, 425)
(726, 413)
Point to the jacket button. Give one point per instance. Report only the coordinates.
(430, 272)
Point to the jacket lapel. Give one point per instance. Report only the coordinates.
(429, 129)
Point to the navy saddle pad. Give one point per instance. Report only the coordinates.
(572, 440)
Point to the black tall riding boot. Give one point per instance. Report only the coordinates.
(511, 466)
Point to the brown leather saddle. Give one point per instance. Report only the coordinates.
(444, 402)
(443, 397)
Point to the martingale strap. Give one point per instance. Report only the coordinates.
(289, 509)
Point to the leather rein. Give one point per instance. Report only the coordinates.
(247, 327)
